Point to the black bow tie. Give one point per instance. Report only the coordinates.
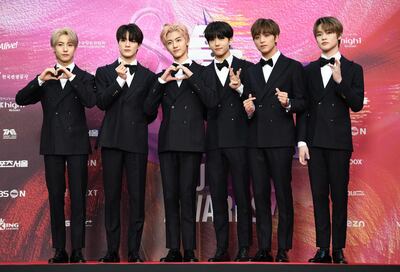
(222, 65)
(173, 73)
(323, 61)
(269, 62)
(132, 68)
(59, 72)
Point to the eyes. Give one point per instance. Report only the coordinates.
(178, 40)
(60, 44)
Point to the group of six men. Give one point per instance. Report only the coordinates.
(251, 134)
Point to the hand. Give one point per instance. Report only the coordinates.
(65, 73)
(248, 105)
(282, 97)
(336, 72)
(304, 155)
(234, 78)
(186, 71)
(47, 74)
(166, 76)
(121, 70)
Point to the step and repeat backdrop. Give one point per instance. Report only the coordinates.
(371, 38)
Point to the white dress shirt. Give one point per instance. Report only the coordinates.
(129, 76)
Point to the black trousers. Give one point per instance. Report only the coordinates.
(55, 166)
(329, 176)
(218, 164)
(180, 173)
(114, 161)
(275, 164)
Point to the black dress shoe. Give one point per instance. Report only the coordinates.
(243, 255)
(188, 256)
(60, 256)
(322, 256)
(281, 256)
(133, 257)
(110, 257)
(174, 255)
(220, 256)
(263, 255)
(77, 256)
(338, 256)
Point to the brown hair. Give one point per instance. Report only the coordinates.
(331, 24)
(168, 28)
(265, 26)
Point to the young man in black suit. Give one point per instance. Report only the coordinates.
(334, 85)
(275, 88)
(64, 91)
(181, 141)
(122, 88)
(226, 142)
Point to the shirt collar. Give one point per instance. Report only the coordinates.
(228, 59)
(134, 62)
(187, 61)
(336, 56)
(71, 66)
(274, 57)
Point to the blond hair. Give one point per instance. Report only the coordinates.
(168, 28)
(63, 31)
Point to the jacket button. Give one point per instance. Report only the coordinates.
(193, 92)
(260, 106)
(185, 122)
(233, 119)
(231, 104)
(172, 107)
(333, 104)
(133, 122)
(219, 105)
(331, 120)
(185, 107)
(319, 103)
(270, 120)
(56, 113)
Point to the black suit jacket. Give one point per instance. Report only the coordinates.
(272, 125)
(326, 123)
(226, 117)
(125, 122)
(64, 129)
(184, 109)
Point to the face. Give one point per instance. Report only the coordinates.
(177, 45)
(220, 47)
(127, 48)
(266, 44)
(328, 41)
(64, 50)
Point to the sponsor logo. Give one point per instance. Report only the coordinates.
(356, 161)
(93, 133)
(355, 224)
(12, 193)
(351, 41)
(88, 223)
(8, 226)
(9, 134)
(9, 104)
(14, 76)
(13, 164)
(92, 163)
(355, 131)
(356, 193)
(8, 45)
(92, 44)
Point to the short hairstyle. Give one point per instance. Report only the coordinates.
(135, 33)
(331, 24)
(218, 29)
(168, 28)
(265, 26)
(63, 31)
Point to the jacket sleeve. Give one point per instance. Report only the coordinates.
(84, 87)
(106, 92)
(208, 95)
(30, 94)
(298, 101)
(351, 89)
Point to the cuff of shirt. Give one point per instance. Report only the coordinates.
(121, 81)
(240, 89)
(162, 81)
(40, 81)
(301, 144)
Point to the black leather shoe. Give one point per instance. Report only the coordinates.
(220, 256)
(263, 255)
(60, 256)
(110, 257)
(338, 256)
(243, 255)
(188, 256)
(322, 256)
(133, 257)
(77, 256)
(281, 256)
(174, 255)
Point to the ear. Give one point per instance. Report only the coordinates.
(276, 39)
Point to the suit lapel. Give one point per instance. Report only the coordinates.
(62, 93)
(137, 79)
(278, 69)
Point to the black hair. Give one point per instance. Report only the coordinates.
(218, 29)
(135, 33)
